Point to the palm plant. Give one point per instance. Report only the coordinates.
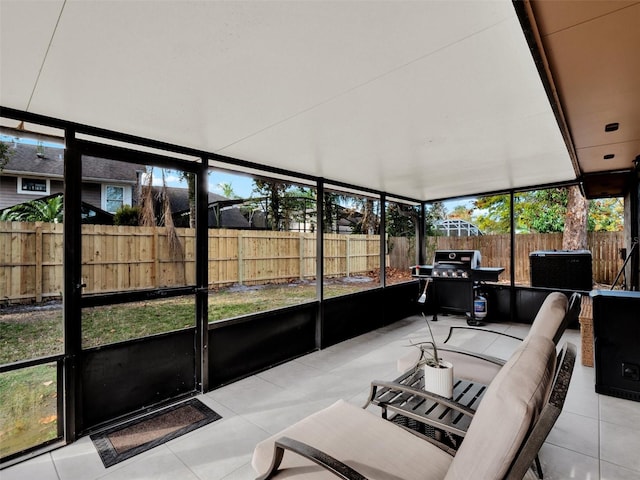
(49, 210)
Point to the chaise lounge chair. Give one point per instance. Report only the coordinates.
(517, 412)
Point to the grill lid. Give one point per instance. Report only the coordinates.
(456, 259)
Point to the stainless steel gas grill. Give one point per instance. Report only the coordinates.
(454, 276)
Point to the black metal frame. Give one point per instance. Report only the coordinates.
(76, 416)
(333, 319)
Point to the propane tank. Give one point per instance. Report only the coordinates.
(480, 307)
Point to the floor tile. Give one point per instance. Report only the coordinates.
(289, 374)
(582, 398)
(336, 355)
(40, 468)
(620, 445)
(331, 385)
(608, 471)
(79, 461)
(576, 433)
(562, 464)
(502, 347)
(222, 410)
(246, 472)
(218, 451)
(241, 396)
(289, 407)
(159, 464)
(620, 411)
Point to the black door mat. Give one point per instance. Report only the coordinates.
(127, 440)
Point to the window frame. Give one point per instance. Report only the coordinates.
(126, 195)
(20, 190)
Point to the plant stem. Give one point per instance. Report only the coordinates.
(433, 341)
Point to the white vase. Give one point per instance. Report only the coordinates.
(439, 380)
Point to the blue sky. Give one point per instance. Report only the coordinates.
(242, 185)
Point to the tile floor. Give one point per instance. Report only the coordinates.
(596, 438)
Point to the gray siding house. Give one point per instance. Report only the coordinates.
(35, 171)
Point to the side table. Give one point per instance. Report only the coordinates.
(446, 420)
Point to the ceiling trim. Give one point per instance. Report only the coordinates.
(527, 20)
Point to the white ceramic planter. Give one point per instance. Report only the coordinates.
(439, 380)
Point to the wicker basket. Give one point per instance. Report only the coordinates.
(586, 331)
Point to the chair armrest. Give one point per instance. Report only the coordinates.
(320, 458)
(451, 329)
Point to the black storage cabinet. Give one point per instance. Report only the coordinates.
(563, 269)
(616, 331)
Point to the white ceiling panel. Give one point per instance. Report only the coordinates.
(25, 30)
(423, 99)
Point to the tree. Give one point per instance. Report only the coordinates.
(544, 211)
(433, 213)
(551, 210)
(273, 191)
(5, 155)
(461, 212)
(147, 211)
(190, 178)
(606, 215)
(227, 190)
(364, 213)
(575, 224)
(298, 204)
(330, 212)
(370, 216)
(495, 214)
(402, 220)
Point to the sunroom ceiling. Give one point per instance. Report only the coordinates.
(592, 49)
(426, 99)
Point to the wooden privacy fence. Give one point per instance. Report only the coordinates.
(30, 261)
(120, 258)
(496, 251)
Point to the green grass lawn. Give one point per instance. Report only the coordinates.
(28, 413)
(32, 333)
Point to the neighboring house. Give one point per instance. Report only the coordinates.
(35, 171)
(223, 212)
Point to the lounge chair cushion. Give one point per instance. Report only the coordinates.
(550, 317)
(376, 448)
(470, 367)
(509, 407)
(547, 323)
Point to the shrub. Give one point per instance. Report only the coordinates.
(127, 215)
